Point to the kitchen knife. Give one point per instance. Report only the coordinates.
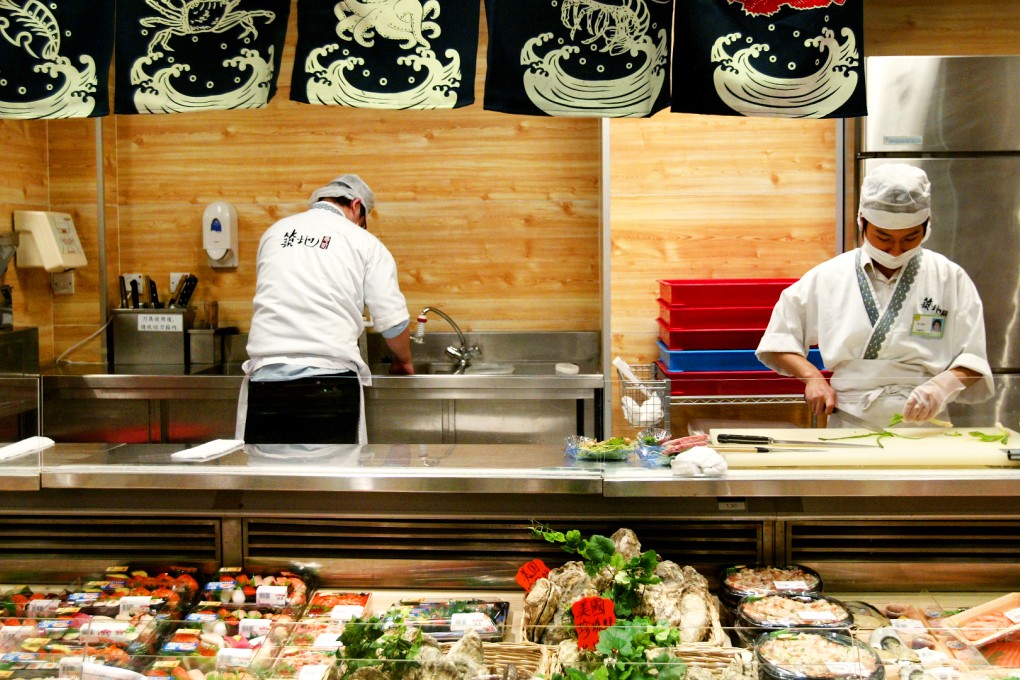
(189, 288)
(134, 293)
(153, 294)
(175, 296)
(856, 421)
(123, 294)
(756, 440)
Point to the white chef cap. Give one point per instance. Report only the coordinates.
(896, 196)
(346, 186)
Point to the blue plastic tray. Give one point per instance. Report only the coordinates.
(718, 359)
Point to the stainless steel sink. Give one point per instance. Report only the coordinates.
(480, 368)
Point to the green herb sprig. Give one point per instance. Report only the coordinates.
(373, 642)
(598, 553)
(623, 649)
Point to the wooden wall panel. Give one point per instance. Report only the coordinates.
(950, 27)
(24, 186)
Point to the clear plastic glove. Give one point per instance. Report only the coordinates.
(701, 460)
(928, 400)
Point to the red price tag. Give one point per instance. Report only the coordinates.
(591, 616)
(531, 572)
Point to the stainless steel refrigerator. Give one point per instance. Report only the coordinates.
(958, 118)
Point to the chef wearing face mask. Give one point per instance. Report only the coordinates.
(900, 327)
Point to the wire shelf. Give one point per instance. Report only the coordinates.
(646, 401)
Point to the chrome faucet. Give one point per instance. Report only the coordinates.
(462, 354)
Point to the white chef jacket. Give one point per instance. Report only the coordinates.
(826, 308)
(316, 273)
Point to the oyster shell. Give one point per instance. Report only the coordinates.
(695, 614)
(627, 543)
(539, 607)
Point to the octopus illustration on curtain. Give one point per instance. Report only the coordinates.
(54, 58)
(386, 54)
(175, 56)
(580, 58)
(778, 58)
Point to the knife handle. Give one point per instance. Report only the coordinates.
(742, 439)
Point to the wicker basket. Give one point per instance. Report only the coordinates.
(525, 656)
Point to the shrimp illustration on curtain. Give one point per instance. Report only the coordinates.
(64, 91)
(614, 63)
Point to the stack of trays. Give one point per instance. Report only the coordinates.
(708, 331)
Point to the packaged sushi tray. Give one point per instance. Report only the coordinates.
(25, 666)
(37, 601)
(740, 581)
(296, 663)
(78, 635)
(450, 619)
(338, 605)
(246, 620)
(321, 632)
(235, 586)
(202, 653)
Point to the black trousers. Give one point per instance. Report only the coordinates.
(324, 409)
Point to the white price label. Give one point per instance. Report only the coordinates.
(328, 640)
(316, 672)
(229, 657)
(253, 628)
(132, 603)
(161, 323)
(790, 585)
(39, 606)
(108, 629)
(1013, 615)
(346, 612)
(931, 656)
(472, 621)
(908, 625)
(274, 596)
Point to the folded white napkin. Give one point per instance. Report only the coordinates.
(25, 447)
(700, 460)
(647, 414)
(208, 451)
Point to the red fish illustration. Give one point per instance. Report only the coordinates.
(769, 7)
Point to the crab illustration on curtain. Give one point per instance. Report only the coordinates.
(580, 58)
(54, 58)
(175, 56)
(386, 54)
(778, 58)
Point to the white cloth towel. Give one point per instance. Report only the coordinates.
(25, 447)
(647, 414)
(208, 451)
(699, 461)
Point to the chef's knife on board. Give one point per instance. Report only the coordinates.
(756, 440)
(856, 421)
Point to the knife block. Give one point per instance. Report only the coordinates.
(150, 336)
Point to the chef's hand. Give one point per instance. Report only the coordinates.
(401, 368)
(928, 400)
(819, 395)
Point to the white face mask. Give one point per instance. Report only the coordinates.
(885, 259)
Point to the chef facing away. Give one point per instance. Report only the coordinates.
(900, 327)
(316, 273)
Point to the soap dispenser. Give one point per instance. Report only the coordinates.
(219, 234)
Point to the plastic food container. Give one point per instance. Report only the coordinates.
(757, 614)
(714, 317)
(719, 360)
(810, 655)
(709, 338)
(722, 292)
(987, 622)
(742, 580)
(731, 382)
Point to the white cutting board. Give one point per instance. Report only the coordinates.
(930, 447)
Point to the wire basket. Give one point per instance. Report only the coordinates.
(645, 402)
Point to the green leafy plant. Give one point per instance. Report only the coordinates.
(598, 553)
(896, 419)
(1001, 436)
(374, 642)
(624, 649)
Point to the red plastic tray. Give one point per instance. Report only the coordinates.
(709, 338)
(714, 383)
(717, 318)
(722, 292)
